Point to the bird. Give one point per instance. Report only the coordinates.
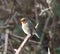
(28, 27)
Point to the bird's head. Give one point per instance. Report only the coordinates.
(23, 20)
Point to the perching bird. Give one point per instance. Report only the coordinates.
(28, 27)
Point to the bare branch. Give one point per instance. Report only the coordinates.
(36, 15)
(6, 41)
(51, 43)
(6, 3)
(2, 27)
(45, 27)
(44, 11)
(22, 44)
(14, 17)
(22, 38)
(18, 1)
(5, 9)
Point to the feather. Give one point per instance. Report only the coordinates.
(36, 34)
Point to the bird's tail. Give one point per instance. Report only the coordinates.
(36, 35)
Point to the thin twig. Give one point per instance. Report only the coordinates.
(11, 46)
(10, 42)
(6, 3)
(48, 50)
(2, 27)
(16, 39)
(6, 42)
(45, 27)
(22, 38)
(18, 1)
(5, 9)
(10, 20)
(51, 43)
(6, 22)
(36, 15)
(23, 43)
(44, 10)
(14, 17)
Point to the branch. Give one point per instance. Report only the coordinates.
(36, 15)
(2, 27)
(19, 37)
(22, 38)
(44, 10)
(5, 9)
(14, 17)
(10, 20)
(6, 41)
(6, 3)
(18, 1)
(11, 46)
(45, 26)
(51, 43)
(22, 44)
